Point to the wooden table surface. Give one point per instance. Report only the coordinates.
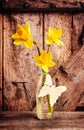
(28, 121)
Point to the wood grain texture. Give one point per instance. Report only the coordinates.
(42, 5)
(60, 54)
(75, 83)
(70, 58)
(28, 120)
(60, 21)
(78, 23)
(76, 65)
(0, 100)
(0, 61)
(69, 100)
(81, 103)
(20, 72)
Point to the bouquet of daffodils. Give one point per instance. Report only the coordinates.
(43, 60)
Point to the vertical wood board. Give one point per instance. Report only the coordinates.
(78, 26)
(20, 72)
(60, 53)
(0, 61)
(19, 65)
(74, 82)
(63, 54)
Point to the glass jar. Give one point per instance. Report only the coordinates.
(44, 109)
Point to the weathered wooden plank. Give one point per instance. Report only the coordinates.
(74, 64)
(60, 21)
(28, 120)
(0, 100)
(81, 103)
(75, 83)
(0, 61)
(60, 54)
(20, 72)
(78, 32)
(42, 5)
(70, 99)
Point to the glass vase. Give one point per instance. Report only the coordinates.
(44, 109)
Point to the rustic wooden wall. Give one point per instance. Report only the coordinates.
(0, 61)
(18, 73)
(41, 5)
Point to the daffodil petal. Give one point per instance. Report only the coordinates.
(53, 36)
(22, 36)
(58, 33)
(38, 61)
(51, 30)
(49, 41)
(52, 63)
(35, 58)
(27, 28)
(44, 60)
(20, 27)
(58, 42)
(15, 36)
(29, 43)
(45, 68)
(50, 55)
(43, 54)
(19, 41)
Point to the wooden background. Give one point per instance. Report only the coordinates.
(18, 73)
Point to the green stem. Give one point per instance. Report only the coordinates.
(48, 48)
(49, 106)
(39, 102)
(39, 99)
(44, 78)
(48, 96)
(38, 49)
(39, 107)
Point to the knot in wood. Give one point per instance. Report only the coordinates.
(82, 4)
(33, 0)
(2, 2)
(81, 37)
(25, 5)
(52, 5)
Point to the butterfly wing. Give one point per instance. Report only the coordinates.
(48, 80)
(46, 88)
(44, 91)
(55, 92)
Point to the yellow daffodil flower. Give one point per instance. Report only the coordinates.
(51, 90)
(23, 36)
(44, 60)
(54, 36)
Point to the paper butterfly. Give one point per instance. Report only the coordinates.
(50, 89)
